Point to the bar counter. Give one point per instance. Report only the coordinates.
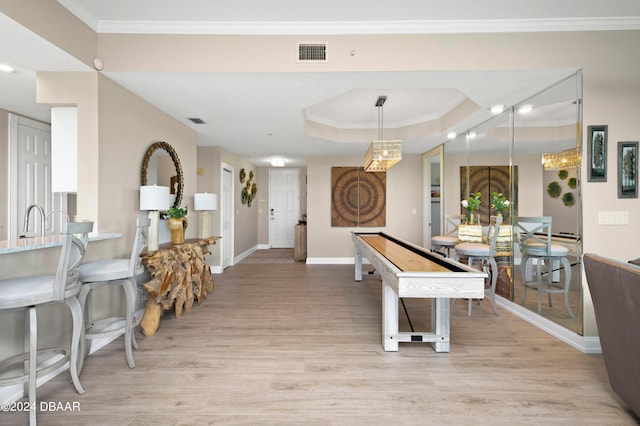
(36, 243)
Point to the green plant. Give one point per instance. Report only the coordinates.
(499, 202)
(178, 212)
(472, 203)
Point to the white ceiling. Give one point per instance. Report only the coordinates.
(276, 104)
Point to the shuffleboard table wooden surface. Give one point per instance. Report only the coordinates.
(408, 270)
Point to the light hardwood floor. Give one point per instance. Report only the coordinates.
(300, 344)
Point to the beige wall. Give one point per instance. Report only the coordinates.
(404, 206)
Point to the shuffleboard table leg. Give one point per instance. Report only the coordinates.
(440, 323)
(358, 262)
(389, 318)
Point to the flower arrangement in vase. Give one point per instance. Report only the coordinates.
(499, 203)
(472, 204)
(178, 224)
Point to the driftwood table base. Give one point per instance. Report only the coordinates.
(179, 277)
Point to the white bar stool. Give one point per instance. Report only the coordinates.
(484, 254)
(29, 293)
(121, 272)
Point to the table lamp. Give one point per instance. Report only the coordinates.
(203, 203)
(154, 198)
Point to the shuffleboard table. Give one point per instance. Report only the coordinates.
(407, 271)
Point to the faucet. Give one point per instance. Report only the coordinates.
(51, 213)
(25, 227)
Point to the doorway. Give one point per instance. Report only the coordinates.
(284, 206)
(432, 191)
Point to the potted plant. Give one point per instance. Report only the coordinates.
(472, 204)
(178, 223)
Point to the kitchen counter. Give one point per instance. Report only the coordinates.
(36, 243)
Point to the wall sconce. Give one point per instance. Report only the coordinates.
(154, 199)
(203, 203)
(382, 155)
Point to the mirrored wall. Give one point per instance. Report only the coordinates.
(530, 153)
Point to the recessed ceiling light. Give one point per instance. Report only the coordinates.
(497, 109)
(523, 109)
(451, 135)
(471, 135)
(7, 69)
(277, 162)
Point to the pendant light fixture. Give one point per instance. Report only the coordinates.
(382, 155)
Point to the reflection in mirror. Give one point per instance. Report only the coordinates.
(505, 154)
(547, 133)
(161, 166)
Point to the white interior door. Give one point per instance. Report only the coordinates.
(284, 206)
(31, 175)
(226, 216)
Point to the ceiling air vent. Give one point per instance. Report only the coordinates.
(312, 52)
(197, 120)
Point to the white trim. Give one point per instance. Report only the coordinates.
(230, 169)
(588, 344)
(244, 255)
(461, 26)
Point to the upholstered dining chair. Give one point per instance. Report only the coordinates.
(450, 238)
(483, 254)
(31, 292)
(118, 272)
(535, 242)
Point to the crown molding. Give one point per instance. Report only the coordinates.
(368, 27)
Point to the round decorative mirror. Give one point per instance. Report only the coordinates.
(161, 166)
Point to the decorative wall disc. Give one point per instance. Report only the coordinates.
(358, 198)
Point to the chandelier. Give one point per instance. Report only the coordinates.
(560, 160)
(382, 155)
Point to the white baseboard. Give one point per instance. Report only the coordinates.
(244, 255)
(586, 344)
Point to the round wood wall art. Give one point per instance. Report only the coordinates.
(358, 197)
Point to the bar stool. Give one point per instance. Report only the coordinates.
(29, 293)
(120, 272)
(483, 254)
(450, 238)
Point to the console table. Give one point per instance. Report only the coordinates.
(179, 276)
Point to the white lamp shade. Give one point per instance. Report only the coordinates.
(154, 197)
(205, 201)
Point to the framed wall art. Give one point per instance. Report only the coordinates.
(627, 169)
(597, 153)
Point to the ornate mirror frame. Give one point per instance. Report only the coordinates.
(176, 162)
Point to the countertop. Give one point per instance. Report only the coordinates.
(36, 243)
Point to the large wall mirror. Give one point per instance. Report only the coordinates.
(161, 166)
(531, 153)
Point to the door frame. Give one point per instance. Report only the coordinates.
(426, 191)
(226, 209)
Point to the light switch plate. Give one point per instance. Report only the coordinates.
(613, 218)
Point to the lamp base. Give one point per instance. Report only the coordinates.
(152, 233)
(204, 224)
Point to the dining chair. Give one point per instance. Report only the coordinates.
(31, 292)
(483, 254)
(113, 272)
(450, 238)
(534, 236)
